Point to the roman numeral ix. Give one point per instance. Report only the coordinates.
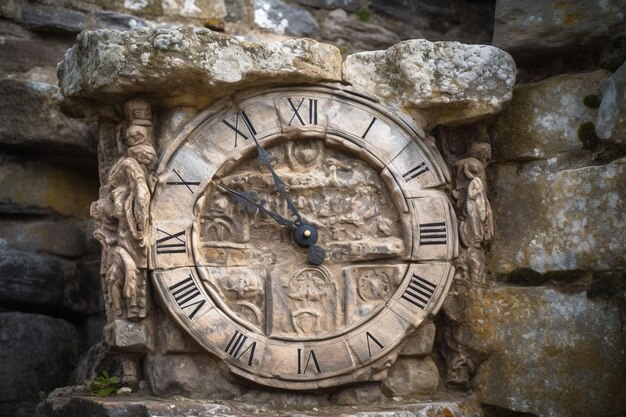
(419, 291)
(171, 243)
(186, 295)
(296, 112)
(236, 343)
(237, 130)
(187, 184)
(415, 172)
(433, 233)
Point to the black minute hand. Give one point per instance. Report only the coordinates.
(265, 158)
(245, 199)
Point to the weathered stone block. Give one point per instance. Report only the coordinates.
(525, 27)
(45, 18)
(38, 186)
(410, 377)
(543, 118)
(189, 375)
(38, 353)
(611, 124)
(441, 82)
(421, 342)
(176, 61)
(564, 220)
(549, 353)
(129, 336)
(29, 118)
(279, 17)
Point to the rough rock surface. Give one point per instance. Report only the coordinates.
(38, 353)
(279, 17)
(446, 82)
(29, 117)
(459, 406)
(410, 377)
(420, 343)
(550, 354)
(45, 280)
(526, 27)
(611, 124)
(544, 118)
(187, 62)
(349, 5)
(39, 186)
(563, 220)
(56, 237)
(187, 375)
(355, 34)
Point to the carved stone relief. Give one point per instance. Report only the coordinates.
(470, 159)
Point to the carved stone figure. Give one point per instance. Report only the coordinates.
(122, 219)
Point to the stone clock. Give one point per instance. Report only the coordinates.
(300, 234)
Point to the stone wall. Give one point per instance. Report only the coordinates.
(542, 335)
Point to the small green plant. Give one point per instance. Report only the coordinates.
(363, 15)
(104, 385)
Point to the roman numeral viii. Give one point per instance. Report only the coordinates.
(171, 243)
(187, 295)
(239, 128)
(312, 120)
(419, 291)
(433, 233)
(237, 343)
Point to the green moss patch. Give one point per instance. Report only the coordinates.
(587, 135)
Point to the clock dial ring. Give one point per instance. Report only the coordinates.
(408, 296)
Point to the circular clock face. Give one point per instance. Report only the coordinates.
(299, 234)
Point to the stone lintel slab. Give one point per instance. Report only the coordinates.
(79, 406)
(182, 66)
(438, 82)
